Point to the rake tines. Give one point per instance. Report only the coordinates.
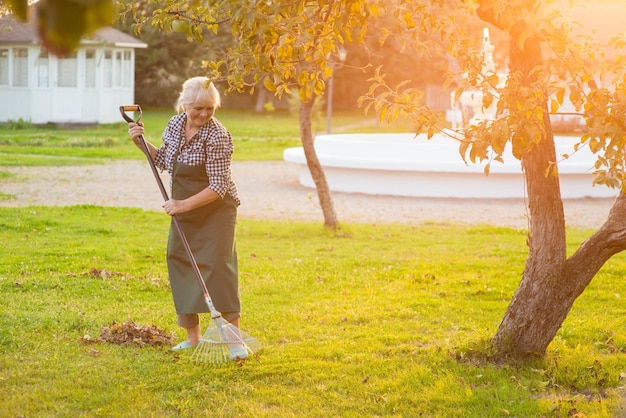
(223, 342)
(210, 352)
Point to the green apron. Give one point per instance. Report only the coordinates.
(210, 231)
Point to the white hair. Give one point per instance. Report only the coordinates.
(198, 90)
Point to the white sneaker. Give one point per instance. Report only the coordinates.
(183, 346)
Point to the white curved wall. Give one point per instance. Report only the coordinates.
(406, 165)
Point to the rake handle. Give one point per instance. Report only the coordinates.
(146, 151)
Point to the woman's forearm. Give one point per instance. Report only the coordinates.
(203, 197)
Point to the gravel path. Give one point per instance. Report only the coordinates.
(270, 190)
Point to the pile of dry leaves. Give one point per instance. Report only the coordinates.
(128, 333)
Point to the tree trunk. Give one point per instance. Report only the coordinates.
(315, 168)
(538, 308)
(551, 282)
(261, 98)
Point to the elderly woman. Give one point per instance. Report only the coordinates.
(197, 151)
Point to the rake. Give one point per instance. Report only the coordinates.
(222, 341)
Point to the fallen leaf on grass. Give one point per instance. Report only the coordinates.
(103, 274)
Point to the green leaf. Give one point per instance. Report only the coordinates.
(19, 8)
(61, 24)
(318, 88)
(492, 79)
(457, 94)
(487, 100)
(560, 95)
(554, 106)
(269, 84)
(521, 40)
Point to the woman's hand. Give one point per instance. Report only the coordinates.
(135, 130)
(173, 207)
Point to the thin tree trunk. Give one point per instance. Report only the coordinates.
(261, 98)
(315, 168)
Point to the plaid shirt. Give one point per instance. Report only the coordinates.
(212, 146)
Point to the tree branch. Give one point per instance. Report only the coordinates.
(609, 240)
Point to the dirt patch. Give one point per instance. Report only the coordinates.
(271, 190)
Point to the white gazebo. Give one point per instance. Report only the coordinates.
(84, 87)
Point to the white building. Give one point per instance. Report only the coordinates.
(87, 86)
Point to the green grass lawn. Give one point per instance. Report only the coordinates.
(384, 320)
